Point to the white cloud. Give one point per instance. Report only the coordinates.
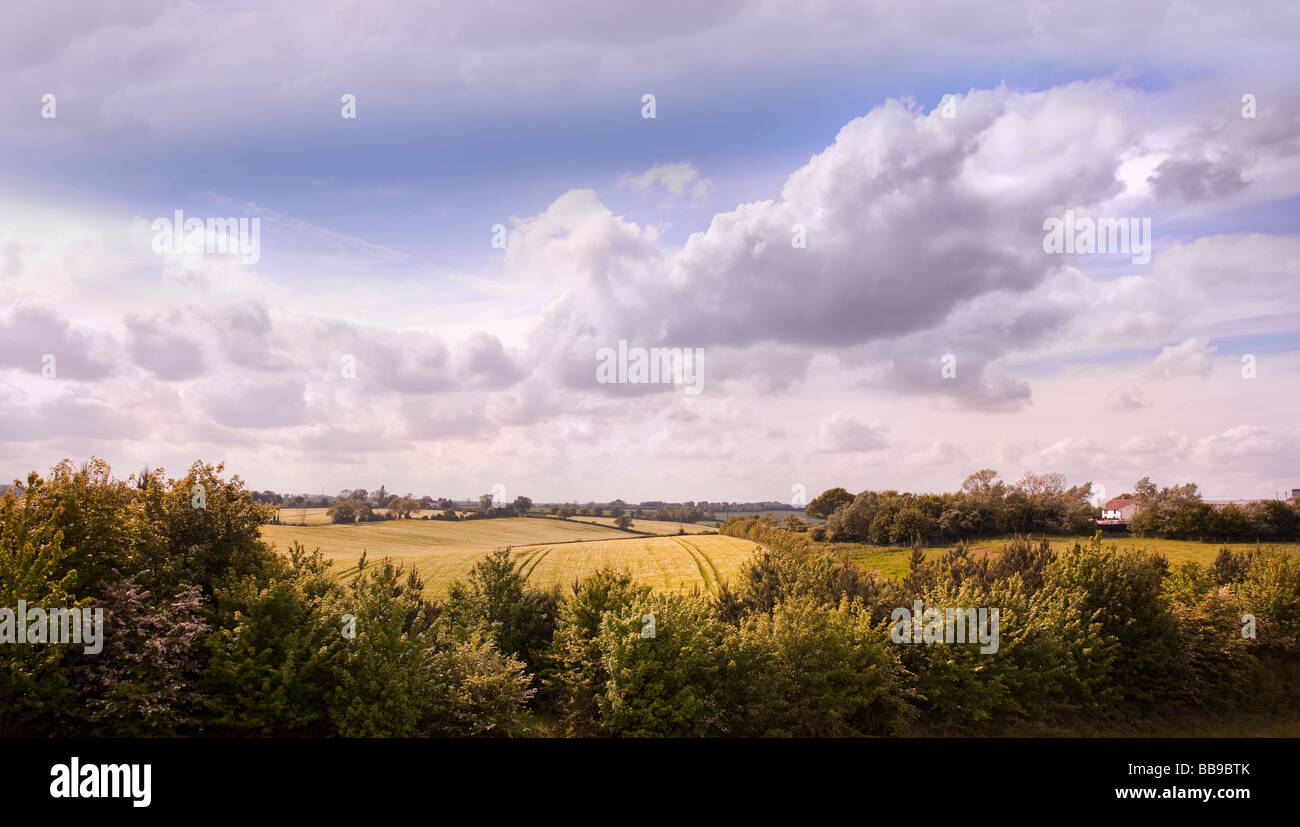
(678, 181)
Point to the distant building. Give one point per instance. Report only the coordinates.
(1120, 509)
(1295, 496)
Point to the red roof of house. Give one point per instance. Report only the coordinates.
(1118, 503)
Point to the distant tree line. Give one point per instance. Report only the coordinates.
(1179, 512)
(985, 506)
(623, 513)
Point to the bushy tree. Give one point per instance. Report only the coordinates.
(34, 568)
(1122, 590)
(496, 600)
(812, 671)
(576, 673)
(827, 503)
(271, 661)
(146, 680)
(668, 684)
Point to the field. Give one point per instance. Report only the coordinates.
(654, 526)
(891, 561)
(664, 563)
(554, 551)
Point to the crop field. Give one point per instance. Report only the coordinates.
(654, 526)
(664, 563)
(891, 561)
(441, 550)
(555, 551)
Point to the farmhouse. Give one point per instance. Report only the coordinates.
(1120, 509)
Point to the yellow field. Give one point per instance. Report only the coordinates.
(311, 516)
(652, 526)
(664, 563)
(440, 550)
(443, 551)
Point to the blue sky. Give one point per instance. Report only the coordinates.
(475, 364)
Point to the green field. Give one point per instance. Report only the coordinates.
(891, 561)
(553, 551)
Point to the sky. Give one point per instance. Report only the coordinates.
(843, 207)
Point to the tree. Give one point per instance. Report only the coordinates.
(145, 681)
(270, 664)
(344, 511)
(623, 521)
(379, 686)
(809, 671)
(523, 505)
(828, 502)
(496, 600)
(577, 675)
(33, 567)
(403, 507)
(668, 683)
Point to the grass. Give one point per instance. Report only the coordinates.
(891, 561)
(551, 551)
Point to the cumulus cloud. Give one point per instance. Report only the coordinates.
(1192, 357)
(923, 242)
(30, 334)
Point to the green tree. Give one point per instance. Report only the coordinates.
(33, 567)
(814, 672)
(667, 684)
(270, 665)
(576, 673)
(496, 601)
(827, 503)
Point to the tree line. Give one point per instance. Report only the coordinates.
(987, 506)
(1179, 512)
